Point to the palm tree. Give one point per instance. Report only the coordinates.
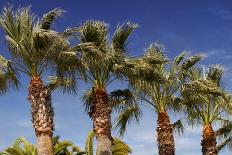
(159, 95)
(118, 148)
(35, 49)
(98, 63)
(206, 104)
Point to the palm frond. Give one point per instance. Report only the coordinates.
(95, 32)
(65, 84)
(120, 37)
(87, 98)
(226, 143)
(215, 74)
(178, 127)
(8, 75)
(121, 99)
(125, 117)
(120, 148)
(49, 18)
(191, 61)
(89, 143)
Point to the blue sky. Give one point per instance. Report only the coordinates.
(193, 25)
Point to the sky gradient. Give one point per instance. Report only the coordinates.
(193, 25)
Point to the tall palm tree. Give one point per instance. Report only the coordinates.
(159, 95)
(35, 49)
(99, 63)
(207, 104)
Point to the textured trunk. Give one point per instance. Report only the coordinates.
(165, 137)
(100, 114)
(208, 141)
(42, 115)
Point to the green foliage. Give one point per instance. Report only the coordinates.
(89, 143)
(33, 45)
(178, 127)
(22, 147)
(8, 76)
(224, 135)
(120, 148)
(205, 100)
(159, 92)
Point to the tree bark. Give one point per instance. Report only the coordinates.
(100, 114)
(208, 142)
(42, 115)
(165, 138)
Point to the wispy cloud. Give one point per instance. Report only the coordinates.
(222, 13)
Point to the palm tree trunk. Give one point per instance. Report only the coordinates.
(42, 115)
(165, 138)
(208, 141)
(100, 114)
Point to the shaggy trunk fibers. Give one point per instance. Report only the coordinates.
(42, 115)
(100, 114)
(165, 137)
(208, 141)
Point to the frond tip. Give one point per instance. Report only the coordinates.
(49, 18)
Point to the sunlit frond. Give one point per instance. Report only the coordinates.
(49, 18)
(120, 37)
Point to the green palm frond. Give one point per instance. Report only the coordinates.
(178, 59)
(215, 74)
(191, 61)
(121, 99)
(64, 84)
(61, 147)
(226, 143)
(226, 130)
(49, 18)
(89, 143)
(125, 117)
(95, 32)
(21, 147)
(120, 148)
(87, 98)
(120, 37)
(178, 127)
(8, 75)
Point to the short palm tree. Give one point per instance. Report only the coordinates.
(22, 147)
(159, 94)
(207, 104)
(33, 45)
